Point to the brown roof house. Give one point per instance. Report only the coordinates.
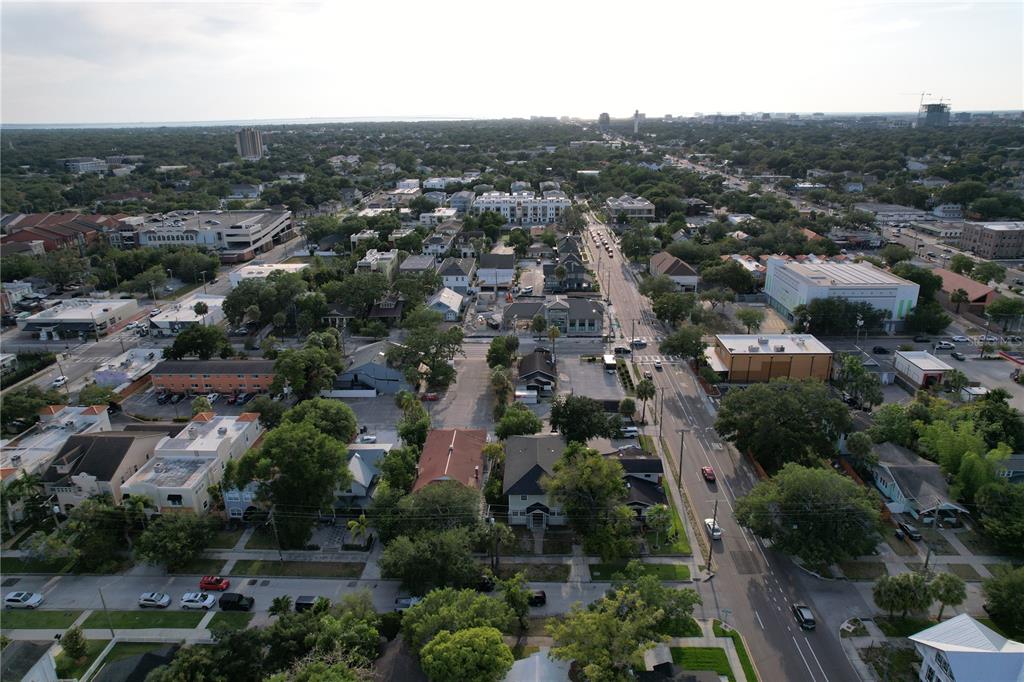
(452, 455)
(678, 271)
(978, 295)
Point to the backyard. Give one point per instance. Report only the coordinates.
(67, 668)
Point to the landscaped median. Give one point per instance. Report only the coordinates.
(298, 569)
(537, 573)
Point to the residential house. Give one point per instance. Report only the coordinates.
(911, 484)
(368, 369)
(213, 376)
(27, 660)
(570, 244)
(452, 455)
(364, 462)
(750, 264)
(457, 273)
(97, 464)
(630, 207)
(388, 309)
(537, 371)
(684, 276)
(577, 276)
(527, 460)
(1011, 468)
(979, 295)
(245, 191)
(363, 235)
(417, 264)
(448, 302)
(462, 201)
(540, 250)
(962, 649)
(437, 216)
(496, 270)
(573, 316)
(469, 243)
(438, 245)
(642, 474)
(383, 262)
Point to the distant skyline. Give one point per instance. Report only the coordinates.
(156, 62)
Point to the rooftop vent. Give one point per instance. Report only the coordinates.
(763, 340)
(222, 431)
(780, 348)
(753, 348)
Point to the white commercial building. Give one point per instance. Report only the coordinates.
(789, 284)
(31, 451)
(236, 235)
(131, 365)
(262, 271)
(524, 208)
(437, 216)
(81, 316)
(919, 368)
(631, 207)
(892, 213)
(174, 317)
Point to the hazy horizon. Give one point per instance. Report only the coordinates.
(148, 63)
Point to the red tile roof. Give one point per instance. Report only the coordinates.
(452, 455)
(203, 417)
(248, 416)
(976, 291)
(94, 409)
(51, 409)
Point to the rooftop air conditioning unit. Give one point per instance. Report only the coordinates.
(15, 460)
(222, 431)
(762, 340)
(780, 349)
(753, 348)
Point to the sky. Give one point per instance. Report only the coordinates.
(88, 62)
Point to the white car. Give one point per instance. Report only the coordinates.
(212, 397)
(405, 603)
(946, 345)
(23, 600)
(368, 438)
(714, 530)
(960, 339)
(197, 600)
(59, 381)
(154, 600)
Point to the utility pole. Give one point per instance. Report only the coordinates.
(103, 601)
(711, 543)
(277, 538)
(927, 558)
(679, 474)
(661, 413)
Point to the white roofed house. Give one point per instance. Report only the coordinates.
(962, 649)
(447, 302)
(364, 460)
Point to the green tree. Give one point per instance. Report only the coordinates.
(645, 390)
(415, 423)
(888, 595)
(659, 519)
(538, 324)
(453, 610)
(271, 411)
(671, 308)
(687, 342)
(200, 404)
(751, 318)
(861, 450)
(427, 344)
(307, 371)
(988, 271)
(501, 382)
(299, 468)
(553, 334)
(475, 655)
(62, 267)
(1004, 595)
(94, 533)
(398, 468)
(281, 605)
(501, 352)
(627, 407)
(892, 424)
(961, 264)
(784, 420)
(74, 644)
(332, 417)
(359, 528)
(656, 286)
(94, 394)
(956, 380)
(516, 594)
(863, 386)
(201, 309)
(1001, 505)
(174, 540)
(894, 253)
(197, 341)
(586, 486)
(518, 420)
(728, 274)
(959, 297)
(676, 605)
(1005, 310)
(717, 297)
(579, 418)
(948, 589)
(815, 514)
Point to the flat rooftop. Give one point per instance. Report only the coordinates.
(183, 311)
(924, 360)
(262, 271)
(213, 220)
(172, 472)
(792, 344)
(80, 309)
(204, 436)
(1015, 226)
(844, 274)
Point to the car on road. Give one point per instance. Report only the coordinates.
(154, 312)
(912, 532)
(804, 616)
(945, 345)
(629, 432)
(23, 600)
(59, 381)
(713, 529)
(197, 600)
(406, 603)
(538, 598)
(957, 355)
(708, 473)
(212, 397)
(214, 582)
(621, 350)
(647, 374)
(959, 339)
(657, 365)
(154, 600)
(921, 339)
(233, 601)
(368, 438)
(880, 350)
(638, 343)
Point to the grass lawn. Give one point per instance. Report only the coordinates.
(558, 542)
(225, 539)
(261, 539)
(862, 570)
(901, 547)
(938, 543)
(298, 259)
(856, 629)
(121, 620)
(544, 573)
(741, 651)
(605, 571)
(965, 571)
(898, 626)
(680, 544)
(687, 627)
(16, 565)
(703, 658)
(230, 620)
(126, 649)
(309, 569)
(977, 543)
(46, 620)
(995, 569)
(647, 443)
(893, 664)
(68, 668)
(201, 566)
(181, 291)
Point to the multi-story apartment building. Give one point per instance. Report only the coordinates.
(236, 235)
(437, 216)
(524, 208)
(994, 240)
(213, 376)
(631, 207)
(249, 143)
(383, 262)
(84, 164)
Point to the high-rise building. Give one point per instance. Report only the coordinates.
(636, 122)
(933, 115)
(604, 119)
(249, 143)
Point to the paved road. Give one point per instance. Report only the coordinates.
(753, 588)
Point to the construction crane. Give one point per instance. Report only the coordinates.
(922, 94)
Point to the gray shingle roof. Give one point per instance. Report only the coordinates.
(527, 459)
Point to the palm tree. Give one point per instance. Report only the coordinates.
(501, 382)
(280, 605)
(645, 390)
(553, 333)
(404, 400)
(959, 296)
(560, 274)
(201, 309)
(358, 528)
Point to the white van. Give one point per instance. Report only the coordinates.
(630, 432)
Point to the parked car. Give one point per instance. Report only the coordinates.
(233, 601)
(911, 532)
(430, 397)
(647, 374)
(880, 350)
(945, 345)
(304, 602)
(163, 398)
(23, 600)
(214, 582)
(959, 339)
(244, 398)
(921, 339)
(708, 473)
(177, 398)
(232, 399)
(804, 616)
(621, 350)
(154, 312)
(538, 598)
(368, 438)
(154, 600)
(59, 381)
(957, 355)
(629, 432)
(212, 397)
(197, 600)
(406, 603)
(485, 584)
(713, 529)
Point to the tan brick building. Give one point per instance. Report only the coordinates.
(752, 358)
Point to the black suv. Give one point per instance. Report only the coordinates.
(804, 616)
(538, 598)
(232, 601)
(912, 533)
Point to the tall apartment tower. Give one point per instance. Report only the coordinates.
(636, 122)
(933, 115)
(604, 119)
(249, 143)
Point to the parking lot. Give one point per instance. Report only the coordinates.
(579, 377)
(144, 404)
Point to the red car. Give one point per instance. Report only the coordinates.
(708, 473)
(214, 582)
(430, 397)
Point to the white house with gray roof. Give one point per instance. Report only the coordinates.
(448, 302)
(963, 650)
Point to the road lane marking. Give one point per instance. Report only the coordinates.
(759, 621)
(802, 657)
(811, 649)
